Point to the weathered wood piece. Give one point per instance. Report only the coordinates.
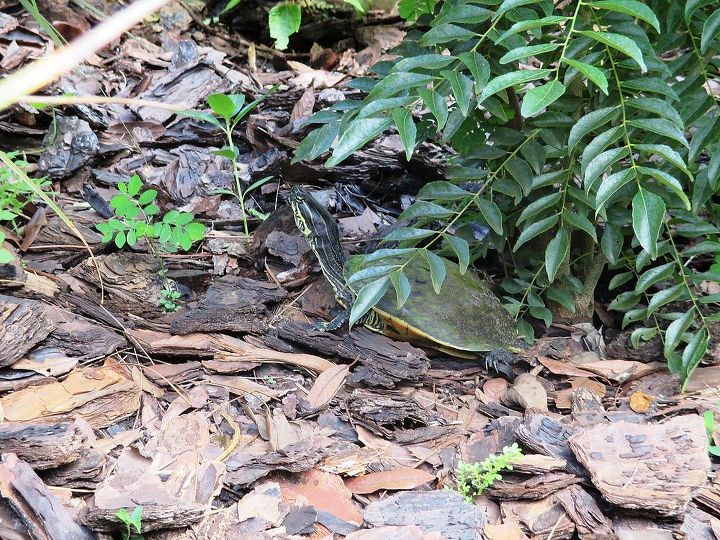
(591, 523)
(84, 473)
(231, 303)
(390, 409)
(46, 445)
(23, 324)
(80, 337)
(383, 362)
(655, 468)
(41, 512)
(515, 486)
(443, 511)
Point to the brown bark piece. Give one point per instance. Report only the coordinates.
(77, 336)
(591, 523)
(99, 395)
(45, 445)
(515, 486)
(233, 304)
(387, 409)
(655, 468)
(545, 518)
(84, 473)
(383, 362)
(41, 512)
(23, 324)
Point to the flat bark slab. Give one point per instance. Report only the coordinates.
(86, 472)
(382, 361)
(387, 409)
(40, 511)
(23, 324)
(231, 303)
(654, 468)
(46, 445)
(548, 437)
(443, 511)
(80, 337)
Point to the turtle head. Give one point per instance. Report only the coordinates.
(311, 217)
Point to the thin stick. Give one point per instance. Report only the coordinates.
(49, 68)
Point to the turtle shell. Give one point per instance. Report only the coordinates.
(464, 316)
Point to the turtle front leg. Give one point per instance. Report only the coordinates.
(336, 323)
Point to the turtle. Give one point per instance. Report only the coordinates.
(464, 319)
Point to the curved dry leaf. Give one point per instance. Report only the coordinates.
(401, 478)
(326, 385)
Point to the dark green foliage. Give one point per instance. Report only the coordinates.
(591, 139)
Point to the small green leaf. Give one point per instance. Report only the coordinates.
(478, 66)
(624, 301)
(539, 205)
(442, 190)
(524, 52)
(171, 217)
(196, 231)
(657, 106)
(648, 211)
(424, 61)
(692, 355)
(120, 239)
(540, 97)
(461, 249)
(425, 209)
(580, 222)
(646, 334)
(316, 142)
(491, 213)
(222, 105)
(437, 105)
(395, 83)
(371, 272)
(633, 8)
(524, 26)
(661, 126)
(437, 269)
(556, 252)
(601, 163)
(407, 233)
(664, 297)
(401, 284)
(406, 129)
(710, 31)
(283, 21)
(535, 229)
(611, 242)
(511, 79)
(465, 13)
(134, 185)
(623, 44)
(620, 279)
(445, 33)
(653, 276)
(200, 115)
(634, 315)
(462, 87)
(358, 133)
(562, 297)
(591, 72)
(147, 197)
(674, 333)
(367, 297)
(668, 181)
(667, 153)
(590, 122)
(611, 185)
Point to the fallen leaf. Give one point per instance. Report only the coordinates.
(401, 478)
(527, 392)
(494, 389)
(557, 367)
(327, 385)
(506, 531)
(640, 402)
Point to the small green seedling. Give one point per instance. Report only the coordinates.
(131, 521)
(136, 217)
(474, 478)
(169, 297)
(228, 111)
(709, 418)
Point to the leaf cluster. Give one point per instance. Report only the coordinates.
(586, 141)
(137, 216)
(169, 297)
(131, 521)
(15, 195)
(474, 478)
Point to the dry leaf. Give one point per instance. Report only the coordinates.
(640, 402)
(402, 478)
(506, 531)
(327, 385)
(527, 392)
(493, 389)
(557, 367)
